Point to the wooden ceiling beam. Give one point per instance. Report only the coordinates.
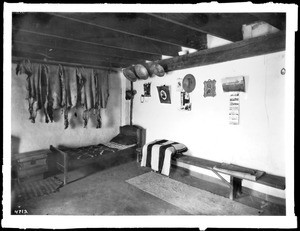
(88, 42)
(16, 59)
(69, 52)
(243, 49)
(142, 26)
(277, 20)
(49, 42)
(50, 25)
(224, 25)
(173, 19)
(35, 55)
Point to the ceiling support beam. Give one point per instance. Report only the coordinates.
(153, 52)
(168, 18)
(277, 20)
(32, 55)
(63, 53)
(243, 49)
(53, 62)
(17, 43)
(48, 42)
(102, 25)
(202, 23)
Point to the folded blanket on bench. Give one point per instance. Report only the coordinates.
(158, 154)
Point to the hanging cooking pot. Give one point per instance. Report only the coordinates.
(129, 73)
(141, 71)
(157, 69)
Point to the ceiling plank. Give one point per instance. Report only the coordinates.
(142, 26)
(224, 25)
(19, 58)
(277, 20)
(49, 42)
(243, 49)
(35, 55)
(48, 50)
(74, 55)
(45, 24)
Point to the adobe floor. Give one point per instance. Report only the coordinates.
(105, 192)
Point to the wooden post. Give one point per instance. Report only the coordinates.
(65, 169)
(236, 188)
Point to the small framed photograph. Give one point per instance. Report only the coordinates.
(209, 88)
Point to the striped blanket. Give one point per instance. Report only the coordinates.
(158, 154)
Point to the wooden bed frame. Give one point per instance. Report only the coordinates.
(62, 161)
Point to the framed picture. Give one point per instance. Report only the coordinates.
(147, 89)
(164, 94)
(235, 84)
(186, 104)
(209, 88)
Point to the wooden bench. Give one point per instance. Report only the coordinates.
(235, 183)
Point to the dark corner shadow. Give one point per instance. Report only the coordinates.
(15, 144)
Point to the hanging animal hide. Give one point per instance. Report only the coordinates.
(98, 118)
(49, 99)
(64, 102)
(81, 80)
(66, 120)
(95, 88)
(25, 67)
(55, 86)
(73, 85)
(35, 99)
(63, 87)
(88, 89)
(85, 116)
(94, 85)
(86, 76)
(45, 93)
(103, 88)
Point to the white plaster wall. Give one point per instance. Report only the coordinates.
(40, 135)
(258, 142)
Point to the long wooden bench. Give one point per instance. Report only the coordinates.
(235, 183)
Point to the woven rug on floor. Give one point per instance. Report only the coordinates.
(28, 190)
(193, 200)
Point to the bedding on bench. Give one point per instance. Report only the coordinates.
(122, 146)
(92, 151)
(158, 154)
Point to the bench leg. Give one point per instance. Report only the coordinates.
(65, 169)
(236, 188)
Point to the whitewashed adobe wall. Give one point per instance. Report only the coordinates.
(39, 135)
(258, 142)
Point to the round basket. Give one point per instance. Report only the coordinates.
(129, 73)
(157, 70)
(141, 71)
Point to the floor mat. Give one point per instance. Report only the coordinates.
(193, 200)
(26, 191)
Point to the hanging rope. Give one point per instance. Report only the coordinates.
(131, 102)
